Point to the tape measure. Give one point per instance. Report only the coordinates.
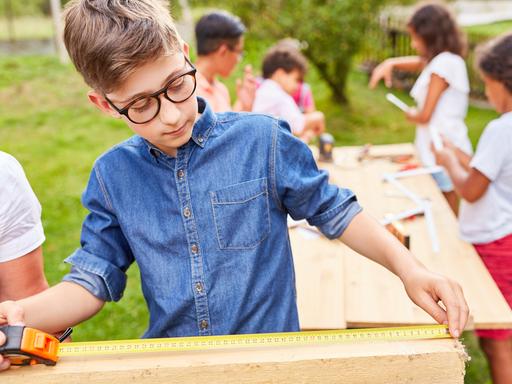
(195, 343)
(28, 346)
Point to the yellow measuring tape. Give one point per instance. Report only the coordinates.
(180, 344)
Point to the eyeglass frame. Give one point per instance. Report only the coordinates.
(124, 111)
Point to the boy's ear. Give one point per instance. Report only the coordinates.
(186, 49)
(99, 101)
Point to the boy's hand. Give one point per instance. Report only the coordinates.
(427, 289)
(12, 314)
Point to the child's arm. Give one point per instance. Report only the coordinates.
(436, 87)
(384, 71)
(61, 306)
(470, 184)
(367, 237)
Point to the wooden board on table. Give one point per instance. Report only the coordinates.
(421, 362)
(318, 271)
(373, 296)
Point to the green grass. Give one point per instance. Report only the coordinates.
(490, 30)
(27, 27)
(47, 123)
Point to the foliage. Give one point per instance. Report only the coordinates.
(333, 30)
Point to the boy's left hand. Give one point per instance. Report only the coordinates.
(427, 289)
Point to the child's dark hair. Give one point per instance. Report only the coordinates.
(283, 57)
(494, 58)
(215, 29)
(436, 26)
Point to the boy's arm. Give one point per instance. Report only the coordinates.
(61, 306)
(367, 237)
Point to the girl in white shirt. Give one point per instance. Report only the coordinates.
(484, 181)
(441, 91)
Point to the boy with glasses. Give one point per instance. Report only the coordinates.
(220, 47)
(199, 200)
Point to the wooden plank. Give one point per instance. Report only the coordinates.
(319, 271)
(375, 297)
(421, 362)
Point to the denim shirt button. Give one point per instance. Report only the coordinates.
(199, 287)
(200, 138)
(204, 324)
(181, 174)
(186, 212)
(194, 248)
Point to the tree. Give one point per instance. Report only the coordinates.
(333, 30)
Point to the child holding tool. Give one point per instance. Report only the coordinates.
(199, 200)
(485, 184)
(441, 91)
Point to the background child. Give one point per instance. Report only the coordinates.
(441, 91)
(199, 200)
(21, 234)
(220, 46)
(284, 68)
(485, 184)
(303, 96)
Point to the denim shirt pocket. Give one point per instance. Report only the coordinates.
(241, 214)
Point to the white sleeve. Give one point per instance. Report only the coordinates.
(492, 150)
(21, 230)
(452, 69)
(293, 115)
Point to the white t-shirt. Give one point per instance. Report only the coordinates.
(490, 217)
(21, 230)
(451, 108)
(273, 100)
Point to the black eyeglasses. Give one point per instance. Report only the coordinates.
(145, 108)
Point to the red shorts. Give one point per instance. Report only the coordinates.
(497, 257)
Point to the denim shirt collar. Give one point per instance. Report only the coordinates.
(201, 131)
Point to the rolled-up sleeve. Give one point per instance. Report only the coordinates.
(304, 191)
(100, 264)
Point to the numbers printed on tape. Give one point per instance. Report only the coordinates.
(261, 339)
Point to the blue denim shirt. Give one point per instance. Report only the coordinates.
(208, 228)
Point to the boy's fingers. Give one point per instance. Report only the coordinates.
(453, 309)
(464, 309)
(13, 312)
(4, 364)
(433, 309)
(2, 338)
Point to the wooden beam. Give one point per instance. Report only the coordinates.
(418, 362)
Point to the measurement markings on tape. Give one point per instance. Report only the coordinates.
(253, 340)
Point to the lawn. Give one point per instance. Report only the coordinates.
(25, 28)
(47, 123)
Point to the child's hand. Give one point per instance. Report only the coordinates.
(426, 289)
(412, 115)
(382, 71)
(444, 156)
(12, 314)
(246, 89)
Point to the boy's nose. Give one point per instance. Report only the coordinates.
(169, 114)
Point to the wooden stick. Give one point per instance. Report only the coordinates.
(418, 362)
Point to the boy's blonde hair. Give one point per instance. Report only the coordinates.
(108, 39)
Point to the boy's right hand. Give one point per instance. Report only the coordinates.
(10, 313)
(382, 71)
(4, 363)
